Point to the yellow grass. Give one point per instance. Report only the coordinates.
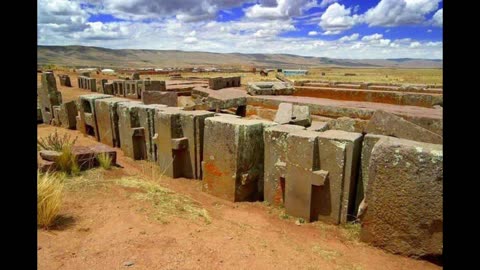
(67, 162)
(49, 198)
(104, 160)
(373, 75)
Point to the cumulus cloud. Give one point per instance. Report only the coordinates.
(183, 27)
(337, 18)
(185, 10)
(325, 3)
(437, 19)
(372, 37)
(399, 12)
(283, 9)
(352, 37)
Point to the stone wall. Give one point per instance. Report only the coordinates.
(393, 186)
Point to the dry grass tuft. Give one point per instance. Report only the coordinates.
(165, 202)
(104, 160)
(49, 198)
(67, 162)
(55, 142)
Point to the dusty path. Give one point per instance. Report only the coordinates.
(105, 227)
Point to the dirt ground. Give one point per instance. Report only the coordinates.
(105, 227)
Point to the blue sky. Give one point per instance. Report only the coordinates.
(327, 28)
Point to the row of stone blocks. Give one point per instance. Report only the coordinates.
(88, 83)
(316, 175)
(132, 88)
(169, 136)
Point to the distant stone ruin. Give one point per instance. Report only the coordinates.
(220, 82)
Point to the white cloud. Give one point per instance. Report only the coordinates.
(415, 44)
(437, 19)
(372, 37)
(282, 10)
(399, 12)
(327, 33)
(313, 33)
(429, 30)
(190, 40)
(325, 3)
(184, 10)
(352, 37)
(337, 18)
(66, 23)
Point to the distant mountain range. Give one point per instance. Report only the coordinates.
(83, 56)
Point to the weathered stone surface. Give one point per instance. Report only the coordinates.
(318, 126)
(301, 116)
(301, 162)
(321, 174)
(404, 198)
(288, 113)
(346, 148)
(67, 115)
(49, 96)
(49, 155)
(284, 113)
(193, 123)
(270, 88)
(103, 149)
(85, 82)
(388, 124)
(348, 124)
(135, 76)
(87, 123)
(158, 97)
(369, 140)
(108, 88)
(65, 80)
(39, 115)
(233, 158)
(46, 166)
(275, 141)
(132, 135)
(146, 116)
(149, 85)
(220, 82)
(107, 120)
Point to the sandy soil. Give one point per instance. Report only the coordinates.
(106, 228)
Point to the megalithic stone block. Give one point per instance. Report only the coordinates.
(193, 123)
(321, 174)
(146, 115)
(132, 135)
(275, 140)
(67, 115)
(174, 162)
(49, 96)
(86, 108)
(233, 158)
(405, 198)
(108, 88)
(301, 162)
(369, 141)
(339, 154)
(384, 123)
(107, 120)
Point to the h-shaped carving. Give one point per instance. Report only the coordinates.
(320, 174)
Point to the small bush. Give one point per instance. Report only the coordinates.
(67, 162)
(104, 160)
(55, 142)
(49, 198)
